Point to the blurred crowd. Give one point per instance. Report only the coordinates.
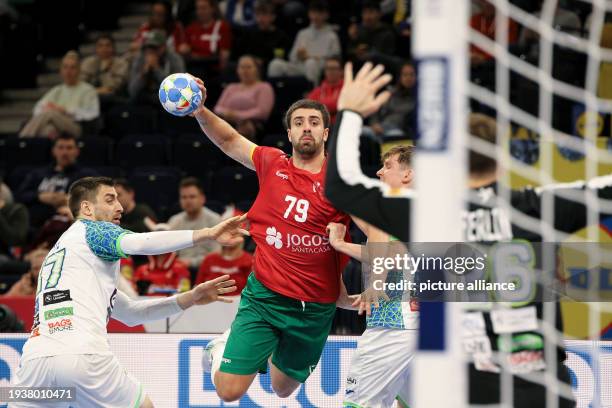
(255, 57)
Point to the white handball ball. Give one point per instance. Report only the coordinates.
(179, 94)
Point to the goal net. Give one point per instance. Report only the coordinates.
(542, 71)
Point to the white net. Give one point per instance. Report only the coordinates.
(543, 71)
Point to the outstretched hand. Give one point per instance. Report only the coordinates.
(228, 232)
(368, 299)
(359, 94)
(208, 292)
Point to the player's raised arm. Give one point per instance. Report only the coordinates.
(223, 134)
(346, 187)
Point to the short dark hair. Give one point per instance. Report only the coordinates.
(123, 183)
(318, 5)
(485, 128)
(85, 189)
(65, 136)
(191, 182)
(264, 6)
(405, 154)
(370, 5)
(307, 104)
(336, 58)
(106, 36)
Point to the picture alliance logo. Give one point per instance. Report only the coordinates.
(306, 243)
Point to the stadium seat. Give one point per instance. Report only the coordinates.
(234, 184)
(108, 171)
(17, 174)
(129, 119)
(196, 155)
(142, 150)
(279, 141)
(95, 150)
(33, 151)
(156, 186)
(289, 90)
(174, 126)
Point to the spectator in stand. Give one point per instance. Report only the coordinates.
(134, 214)
(65, 107)
(209, 38)
(104, 70)
(312, 45)
(194, 216)
(232, 260)
(264, 41)
(160, 19)
(372, 40)
(53, 229)
(484, 22)
(26, 286)
(563, 20)
(153, 64)
(327, 93)
(45, 189)
(5, 193)
(247, 105)
(239, 13)
(14, 224)
(396, 118)
(163, 274)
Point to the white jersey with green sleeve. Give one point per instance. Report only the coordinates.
(76, 292)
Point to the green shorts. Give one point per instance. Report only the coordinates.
(268, 323)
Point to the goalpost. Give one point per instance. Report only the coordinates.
(441, 40)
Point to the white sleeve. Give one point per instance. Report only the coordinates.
(133, 312)
(154, 243)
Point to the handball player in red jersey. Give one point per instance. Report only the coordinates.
(288, 305)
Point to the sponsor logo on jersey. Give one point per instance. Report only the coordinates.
(60, 326)
(306, 243)
(274, 237)
(226, 360)
(56, 296)
(61, 312)
(282, 175)
(526, 362)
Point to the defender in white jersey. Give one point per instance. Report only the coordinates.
(379, 372)
(77, 295)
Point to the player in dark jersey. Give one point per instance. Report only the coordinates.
(289, 302)
(485, 221)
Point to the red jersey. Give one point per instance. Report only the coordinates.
(288, 222)
(208, 41)
(167, 274)
(486, 26)
(214, 265)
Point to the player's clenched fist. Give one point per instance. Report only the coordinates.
(336, 233)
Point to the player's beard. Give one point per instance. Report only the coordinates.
(307, 149)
